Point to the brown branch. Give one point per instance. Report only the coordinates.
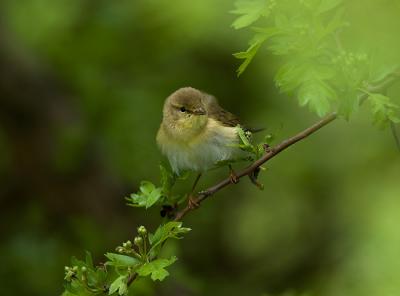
(271, 152)
(382, 85)
(131, 278)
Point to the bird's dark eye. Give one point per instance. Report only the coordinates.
(183, 109)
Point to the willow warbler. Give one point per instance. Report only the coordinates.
(196, 132)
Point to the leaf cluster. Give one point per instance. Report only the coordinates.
(150, 195)
(140, 258)
(316, 67)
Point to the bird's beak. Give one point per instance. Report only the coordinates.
(199, 111)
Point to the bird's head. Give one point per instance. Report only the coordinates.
(185, 113)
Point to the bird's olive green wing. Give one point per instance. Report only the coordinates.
(215, 111)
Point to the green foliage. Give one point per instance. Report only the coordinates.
(251, 11)
(383, 109)
(156, 268)
(318, 70)
(140, 258)
(120, 285)
(148, 195)
(255, 150)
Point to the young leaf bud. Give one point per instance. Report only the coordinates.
(128, 244)
(138, 241)
(142, 230)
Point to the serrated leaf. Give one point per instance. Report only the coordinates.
(119, 285)
(156, 268)
(153, 197)
(290, 76)
(349, 103)
(170, 230)
(119, 260)
(254, 45)
(147, 196)
(247, 56)
(383, 110)
(317, 96)
(249, 11)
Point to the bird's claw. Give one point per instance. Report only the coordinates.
(253, 178)
(193, 203)
(233, 177)
(267, 148)
(168, 211)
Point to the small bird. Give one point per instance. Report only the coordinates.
(196, 132)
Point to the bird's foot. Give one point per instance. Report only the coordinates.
(168, 211)
(193, 203)
(267, 148)
(253, 178)
(233, 177)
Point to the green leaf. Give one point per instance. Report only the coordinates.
(119, 285)
(153, 197)
(247, 56)
(326, 5)
(317, 95)
(349, 103)
(119, 260)
(262, 35)
(156, 268)
(148, 195)
(249, 11)
(290, 76)
(164, 232)
(242, 136)
(383, 110)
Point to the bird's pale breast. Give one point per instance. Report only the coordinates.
(202, 152)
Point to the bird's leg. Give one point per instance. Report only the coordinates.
(232, 175)
(168, 211)
(253, 178)
(192, 200)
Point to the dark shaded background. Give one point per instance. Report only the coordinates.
(82, 84)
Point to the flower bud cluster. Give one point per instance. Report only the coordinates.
(70, 272)
(350, 58)
(139, 246)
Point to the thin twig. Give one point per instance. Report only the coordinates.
(131, 278)
(382, 85)
(249, 170)
(271, 152)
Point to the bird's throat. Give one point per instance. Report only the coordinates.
(186, 130)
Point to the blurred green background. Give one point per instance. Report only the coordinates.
(82, 85)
